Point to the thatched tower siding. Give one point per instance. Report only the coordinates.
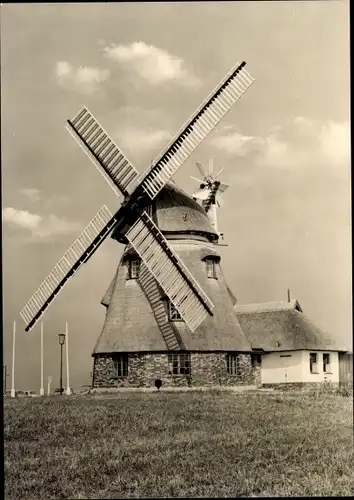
(140, 341)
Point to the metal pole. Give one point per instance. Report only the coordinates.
(5, 377)
(41, 390)
(61, 369)
(13, 393)
(68, 390)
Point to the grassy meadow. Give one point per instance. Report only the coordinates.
(194, 444)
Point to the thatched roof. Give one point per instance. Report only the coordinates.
(176, 213)
(136, 317)
(282, 326)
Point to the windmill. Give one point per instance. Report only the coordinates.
(210, 191)
(136, 193)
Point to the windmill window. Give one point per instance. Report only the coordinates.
(179, 364)
(313, 362)
(326, 362)
(134, 269)
(210, 268)
(120, 363)
(233, 364)
(173, 313)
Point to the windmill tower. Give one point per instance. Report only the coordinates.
(210, 192)
(169, 251)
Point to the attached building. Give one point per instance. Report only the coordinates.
(293, 349)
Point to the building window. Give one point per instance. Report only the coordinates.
(210, 268)
(173, 313)
(179, 364)
(134, 269)
(326, 362)
(313, 362)
(256, 360)
(120, 362)
(233, 364)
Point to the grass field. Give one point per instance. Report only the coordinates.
(178, 444)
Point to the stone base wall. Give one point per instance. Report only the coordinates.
(207, 369)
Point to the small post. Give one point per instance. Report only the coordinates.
(41, 390)
(289, 295)
(68, 390)
(49, 383)
(13, 393)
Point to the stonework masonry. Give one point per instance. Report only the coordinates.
(207, 369)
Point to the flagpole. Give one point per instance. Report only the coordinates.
(68, 390)
(13, 393)
(41, 390)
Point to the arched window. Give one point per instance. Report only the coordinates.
(134, 268)
(210, 267)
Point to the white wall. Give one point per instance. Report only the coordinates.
(294, 366)
(321, 376)
(282, 367)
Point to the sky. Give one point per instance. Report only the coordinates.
(142, 69)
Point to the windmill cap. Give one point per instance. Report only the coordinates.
(176, 213)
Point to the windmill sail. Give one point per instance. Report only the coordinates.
(101, 149)
(169, 271)
(78, 253)
(196, 129)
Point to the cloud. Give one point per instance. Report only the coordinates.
(155, 65)
(40, 227)
(300, 142)
(82, 79)
(31, 193)
(233, 143)
(21, 218)
(138, 139)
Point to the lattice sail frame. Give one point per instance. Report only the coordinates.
(77, 254)
(121, 174)
(118, 171)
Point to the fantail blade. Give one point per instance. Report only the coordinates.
(219, 200)
(201, 169)
(201, 194)
(211, 166)
(222, 187)
(217, 175)
(196, 179)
